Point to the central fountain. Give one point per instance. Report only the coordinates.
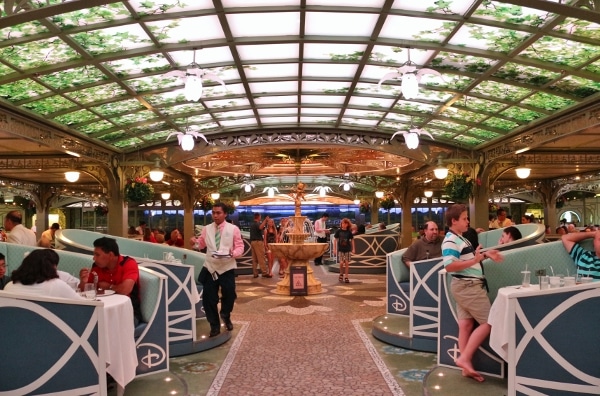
(297, 251)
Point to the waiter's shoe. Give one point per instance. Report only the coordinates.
(228, 324)
(214, 332)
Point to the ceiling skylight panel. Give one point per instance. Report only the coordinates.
(192, 107)
(323, 99)
(329, 87)
(140, 116)
(276, 100)
(92, 15)
(119, 107)
(526, 74)
(492, 89)
(172, 31)
(375, 103)
(144, 7)
(488, 38)
(340, 24)
(75, 117)
(268, 51)
(413, 106)
(234, 89)
(561, 52)
(576, 86)
(347, 3)
(32, 54)
(279, 111)
(435, 95)
(137, 65)
(500, 123)
(373, 89)
(470, 140)
(521, 115)
(358, 121)
(317, 120)
(328, 70)
(257, 3)
(49, 105)
(73, 77)
(98, 93)
(264, 24)
(262, 71)
(411, 28)
(334, 52)
(151, 83)
(329, 111)
(462, 62)
(436, 6)
(227, 103)
(235, 114)
(548, 102)
(205, 57)
(512, 14)
(22, 30)
(271, 87)
(396, 117)
(22, 90)
(578, 27)
(131, 142)
(119, 38)
(238, 122)
(95, 127)
(279, 120)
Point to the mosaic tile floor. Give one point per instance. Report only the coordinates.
(303, 345)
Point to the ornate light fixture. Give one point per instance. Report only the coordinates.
(347, 185)
(237, 202)
(411, 137)
(215, 196)
(271, 191)
(192, 77)
(522, 170)
(323, 190)
(411, 77)
(356, 201)
(72, 176)
(428, 193)
(156, 174)
(165, 195)
(247, 186)
(440, 172)
(379, 194)
(186, 139)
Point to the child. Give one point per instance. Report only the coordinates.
(343, 244)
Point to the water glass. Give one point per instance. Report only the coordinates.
(544, 282)
(89, 291)
(526, 278)
(569, 281)
(586, 279)
(554, 282)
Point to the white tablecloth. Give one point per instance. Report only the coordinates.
(498, 318)
(121, 356)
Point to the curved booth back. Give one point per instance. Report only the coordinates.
(531, 234)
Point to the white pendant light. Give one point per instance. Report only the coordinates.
(215, 196)
(428, 193)
(409, 86)
(412, 140)
(379, 194)
(156, 174)
(357, 201)
(523, 172)
(72, 176)
(441, 172)
(165, 195)
(187, 142)
(236, 203)
(193, 87)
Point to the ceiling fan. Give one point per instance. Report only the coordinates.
(192, 77)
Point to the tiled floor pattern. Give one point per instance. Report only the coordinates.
(311, 345)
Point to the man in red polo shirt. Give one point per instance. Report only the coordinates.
(115, 272)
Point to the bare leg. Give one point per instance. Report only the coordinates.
(466, 355)
(465, 328)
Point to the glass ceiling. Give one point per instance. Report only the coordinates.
(99, 72)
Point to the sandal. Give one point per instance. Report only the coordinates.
(347, 280)
(341, 278)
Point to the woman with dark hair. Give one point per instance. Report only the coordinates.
(509, 234)
(37, 275)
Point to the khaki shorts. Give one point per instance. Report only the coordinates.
(472, 301)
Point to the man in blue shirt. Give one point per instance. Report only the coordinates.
(588, 263)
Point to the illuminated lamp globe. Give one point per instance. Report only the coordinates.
(215, 195)
(346, 187)
(412, 140)
(187, 142)
(193, 88)
(428, 193)
(236, 203)
(357, 201)
(523, 173)
(72, 176)
(156, 175)
(247, 188)
(379, 194)
(440, 172)
(165, 195)
(409, 86)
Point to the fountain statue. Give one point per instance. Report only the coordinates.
(297, 251)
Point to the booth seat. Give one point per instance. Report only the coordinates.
(371, 252)
(151, 332)
(414, 291)
(549, 256)
(51, 346)
(375, 229)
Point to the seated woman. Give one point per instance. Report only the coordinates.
(37, 275)
(510, 234)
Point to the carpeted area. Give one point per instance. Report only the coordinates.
(317, 345)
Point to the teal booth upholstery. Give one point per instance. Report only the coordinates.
(51, 346)
(151, 332)
(548, 256)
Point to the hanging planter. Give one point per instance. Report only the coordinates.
(364, 207)
(138, 190)
(101, 210)
(387, 203)
(459, 187)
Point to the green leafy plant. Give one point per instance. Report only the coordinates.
(459, 186)
(138, 190)
(364, 207)
(206, 203)
(387, 202)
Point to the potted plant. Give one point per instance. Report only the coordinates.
(101, 210)
(138, 190)
(206, 204)
(387, 203)
(364, 207)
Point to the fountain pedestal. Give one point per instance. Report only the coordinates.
(299, 255)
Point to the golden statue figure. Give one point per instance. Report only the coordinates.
(298, 195)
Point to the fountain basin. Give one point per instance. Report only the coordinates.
(299, 255)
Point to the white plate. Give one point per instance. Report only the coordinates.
(106, 293)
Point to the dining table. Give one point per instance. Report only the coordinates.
(121, 355)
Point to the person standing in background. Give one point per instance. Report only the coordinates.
(270, 236)
(48, 239)
(258, 246)
(343, 245)
(321, 233)
(18, 233)
(218, 270)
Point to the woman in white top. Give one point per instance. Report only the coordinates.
(37, 275)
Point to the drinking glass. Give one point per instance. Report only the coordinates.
(569, 281)
(526, 278)
(544, 282)
(554, 282)
(89, 291)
